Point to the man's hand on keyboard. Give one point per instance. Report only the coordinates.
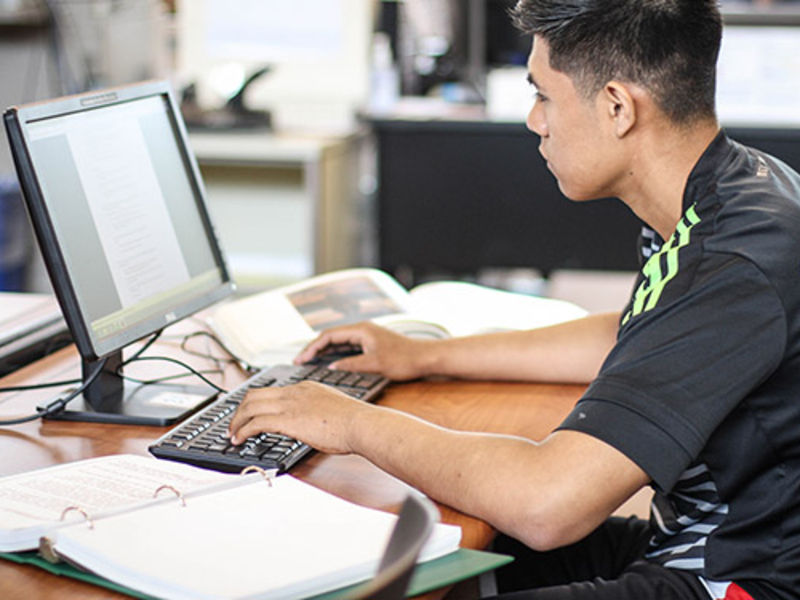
(314, 413)
(384, 352)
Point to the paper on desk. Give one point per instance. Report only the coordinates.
(31, 502)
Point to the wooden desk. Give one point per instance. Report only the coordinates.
(520, 409)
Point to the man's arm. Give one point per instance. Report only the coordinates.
(570, 352)
(546, 494)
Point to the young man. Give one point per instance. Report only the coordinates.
(693, 387)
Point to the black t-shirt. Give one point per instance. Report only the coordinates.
(702, 389)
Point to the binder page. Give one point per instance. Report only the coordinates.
(33, 499)
(286, 540)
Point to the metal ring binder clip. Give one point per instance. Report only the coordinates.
(267, 475)
(47, 552)
(89, 522)
(172, 489)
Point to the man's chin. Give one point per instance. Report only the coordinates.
(571, 193)
(575, 195)
(568, 193)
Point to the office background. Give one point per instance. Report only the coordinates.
(383, 133)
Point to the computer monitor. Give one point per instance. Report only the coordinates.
(117, 204)
(758, 75)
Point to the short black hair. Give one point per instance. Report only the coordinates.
(669, 47)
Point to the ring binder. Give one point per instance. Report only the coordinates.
(172, 489)
(46, 549)
(89, 521)
(306, 516)
(47, 552)
(267, 475)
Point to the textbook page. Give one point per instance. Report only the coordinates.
(468, 309)
(272, 327)
(31, 503)
(285, 540)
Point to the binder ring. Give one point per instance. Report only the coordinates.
(172, 489)
(89, 522)
(267, 475)
(47, 551)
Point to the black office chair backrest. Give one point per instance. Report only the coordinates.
(418, 515)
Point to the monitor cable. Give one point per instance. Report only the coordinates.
(137, 357)
(58, 404)
(192, 372)
(234, 358)
(64, 382)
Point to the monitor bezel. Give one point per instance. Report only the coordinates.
(16, 119)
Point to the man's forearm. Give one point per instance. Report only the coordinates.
(546, 494)
(570, 352)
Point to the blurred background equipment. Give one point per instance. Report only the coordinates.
(15, 239)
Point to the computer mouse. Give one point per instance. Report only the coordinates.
(333, 352)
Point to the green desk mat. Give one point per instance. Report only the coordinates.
(428, 576)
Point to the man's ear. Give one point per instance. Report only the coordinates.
(620, 104)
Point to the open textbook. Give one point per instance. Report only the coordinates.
(206, 535)
(272, 327)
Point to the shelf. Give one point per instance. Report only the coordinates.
(258, 149)
(743, 13)
(24, 17)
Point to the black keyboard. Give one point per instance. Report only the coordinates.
(203, 440)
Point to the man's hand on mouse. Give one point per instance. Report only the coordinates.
(385, 352)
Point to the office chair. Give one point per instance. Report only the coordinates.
(417, 518)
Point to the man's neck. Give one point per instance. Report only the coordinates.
(661, 168)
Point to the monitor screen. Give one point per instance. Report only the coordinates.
(118, 207)
(758, 76)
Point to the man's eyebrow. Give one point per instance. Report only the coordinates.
(532, 81)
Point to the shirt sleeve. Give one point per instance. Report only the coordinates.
(680, 368)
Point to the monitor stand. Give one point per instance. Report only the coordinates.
(112, 399)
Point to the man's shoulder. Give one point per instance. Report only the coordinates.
(753, 207)
(751, 174)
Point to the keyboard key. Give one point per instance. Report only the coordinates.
(203, 440)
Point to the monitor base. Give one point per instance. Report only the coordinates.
(141, 404)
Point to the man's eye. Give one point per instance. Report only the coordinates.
(539, 97)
